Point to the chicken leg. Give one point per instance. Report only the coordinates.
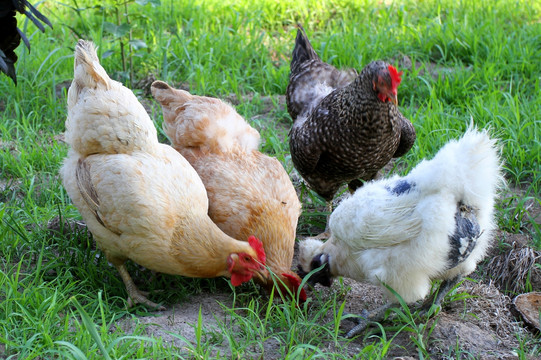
(327, 233)
(437, 297)
(367, 317)
(135, 296)
(379, 314)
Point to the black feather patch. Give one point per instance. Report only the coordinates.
(303, 50)
(323, 276)
(464, 239)
(401, 187)
(11, 35)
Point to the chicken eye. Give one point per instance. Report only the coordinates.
(247, 258)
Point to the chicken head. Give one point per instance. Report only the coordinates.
(244, 266)
(386, 83)
(293, 282)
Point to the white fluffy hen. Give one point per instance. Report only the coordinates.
(435, 223)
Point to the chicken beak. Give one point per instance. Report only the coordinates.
(393, 99)
(262, 274)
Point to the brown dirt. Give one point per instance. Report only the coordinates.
(176, 325)
(481, 325)
(432, 69)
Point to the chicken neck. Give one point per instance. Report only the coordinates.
(202, 248)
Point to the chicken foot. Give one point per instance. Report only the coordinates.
(365, 318)
(378, 315)
(437, 297)
(135, 296)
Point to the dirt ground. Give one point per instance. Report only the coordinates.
(483, 325)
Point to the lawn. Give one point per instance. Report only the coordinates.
(463, 62)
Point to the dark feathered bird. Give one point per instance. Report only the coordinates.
(11, 36)
(435, 223)
(346, 125)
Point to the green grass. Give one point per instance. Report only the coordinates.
(58, 296)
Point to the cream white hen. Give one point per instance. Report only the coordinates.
(434, 223)
(141, 199)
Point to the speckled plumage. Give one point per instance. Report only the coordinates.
(342, 131)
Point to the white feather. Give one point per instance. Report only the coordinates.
(403, 240)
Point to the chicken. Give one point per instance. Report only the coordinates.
(11, 35)
(346, 127)
(249, 192)
(140, 199)
(435, 223)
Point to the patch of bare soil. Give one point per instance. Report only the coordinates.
(481, 325)
(177, 325)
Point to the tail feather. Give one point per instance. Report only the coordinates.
(12, 36)
(172, 100)
(7, 66)
(303, 50)
(202, 123)
(37, 14)
(104, 117)
(469, 167)
(88, 71)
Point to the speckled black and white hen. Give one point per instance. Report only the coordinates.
(435, 223)
(346, 125)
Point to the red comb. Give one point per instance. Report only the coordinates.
(296, 283)
(257, 245)
(395, 76)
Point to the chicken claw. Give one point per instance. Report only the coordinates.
(357, 329)
(365, 318)
(436, 298)
(136, 296)
(360, 321)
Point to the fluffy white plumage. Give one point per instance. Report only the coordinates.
(406, 231)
